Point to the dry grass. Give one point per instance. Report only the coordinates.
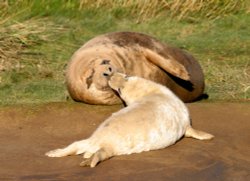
(180, 9)
(144, 9)
(205, 8)
(17, 38)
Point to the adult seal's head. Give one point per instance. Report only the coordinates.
(87, 80)
(134, 54)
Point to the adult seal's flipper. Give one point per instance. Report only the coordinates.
(168, 64)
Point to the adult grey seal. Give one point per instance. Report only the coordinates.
(134, 54)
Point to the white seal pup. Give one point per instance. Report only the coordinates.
(153, 119)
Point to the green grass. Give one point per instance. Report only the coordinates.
(37, 39)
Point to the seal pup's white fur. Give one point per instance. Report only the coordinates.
(153, 119)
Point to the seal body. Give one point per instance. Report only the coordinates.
(134, 54)
(153, 119)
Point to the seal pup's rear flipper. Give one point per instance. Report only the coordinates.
(197, 134)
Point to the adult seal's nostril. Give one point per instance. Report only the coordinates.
(106, 75)
(110, 69)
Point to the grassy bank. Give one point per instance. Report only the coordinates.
(37, 38)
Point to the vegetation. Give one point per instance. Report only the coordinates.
(37, 38)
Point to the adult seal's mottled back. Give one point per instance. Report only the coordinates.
(134, 54)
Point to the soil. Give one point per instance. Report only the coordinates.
(27, 132)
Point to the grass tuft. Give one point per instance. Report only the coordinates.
(17, 39)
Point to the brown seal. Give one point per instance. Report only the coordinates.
(134, 54)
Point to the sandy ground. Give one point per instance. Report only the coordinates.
(27, 132)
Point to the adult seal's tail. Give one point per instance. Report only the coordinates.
(134, 54)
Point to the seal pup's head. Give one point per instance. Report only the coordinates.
(133, 88)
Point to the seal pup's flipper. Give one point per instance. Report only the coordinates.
(101, 155)
(197, 134)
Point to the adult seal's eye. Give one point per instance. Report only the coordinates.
(105, 62)
(127, 77)
(119, 91)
